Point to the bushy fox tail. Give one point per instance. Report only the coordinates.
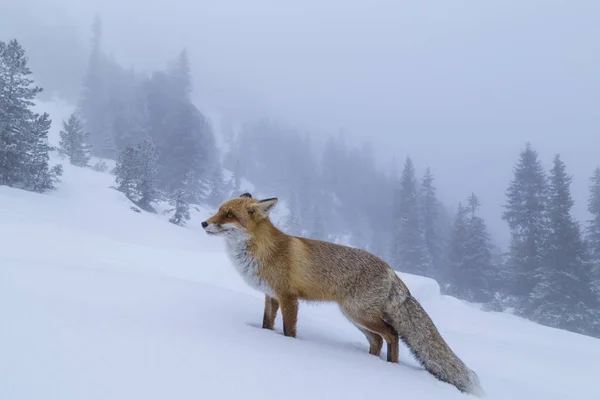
(419, 333)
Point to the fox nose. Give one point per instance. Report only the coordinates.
(204, 224)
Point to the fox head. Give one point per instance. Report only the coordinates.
(240, 215)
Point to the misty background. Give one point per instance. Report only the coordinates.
(459, 86)
(372, 121)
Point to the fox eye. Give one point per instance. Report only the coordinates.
(250, 212)
(230, 215)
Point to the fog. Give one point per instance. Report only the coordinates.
(459, 86)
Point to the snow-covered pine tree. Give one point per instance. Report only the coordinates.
(93, 106)
(126, 172)
(452, 274)
(443, 227)
(100, 166)
(217, 185)
(317, 228)
(477, 268)
(362, 238)
(24, 148)
(147, 157)
(291, 223)
(470, 268)
(181, 198)
(126, 110)
(183, 136)
(40, 177)
(408, 249)
(139, 122)
(181, 75)
(429, 209)
(593, 229)
(199, 189)
(236, 178)
(74, 142)
(107, 147)
(563, 296)
(181, 207)
(16, 96)
(525, 213)
(304, 191)
(136, 173)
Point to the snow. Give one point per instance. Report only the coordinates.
(100, 302)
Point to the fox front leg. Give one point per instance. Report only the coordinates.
(271, 308)
(289, 312)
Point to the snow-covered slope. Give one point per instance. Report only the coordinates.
(100, 302)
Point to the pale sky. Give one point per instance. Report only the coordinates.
(460, 86)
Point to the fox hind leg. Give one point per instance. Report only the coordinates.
(374, 339)
(388, 333)
(377, 327)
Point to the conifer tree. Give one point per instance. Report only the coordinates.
(24, 148)
(107, 147)
(456, 251)
(477, 269)
(180, 202)
(318, 229)
(126, 172)
(16, 96)
(136, 173)
(563, 296)
(291, 223)
(429, 215)
(94, 103)
(40, 176)
(74, 142)
(216, 183)
(183, 136)
(198, 188)
(593, 229)
(147, 157)
(525, 213)
(470, 269)
(181, 76)
(100, 166)
(304, 191)
(181, 207)
(126, 111)
(237, 177)
(408, 253)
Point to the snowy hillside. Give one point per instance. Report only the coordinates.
(99, 302)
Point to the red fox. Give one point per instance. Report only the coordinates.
(368, 291)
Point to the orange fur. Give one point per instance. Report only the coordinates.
(370, 294)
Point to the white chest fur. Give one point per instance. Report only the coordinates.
(246, 265)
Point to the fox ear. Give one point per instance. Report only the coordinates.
(267, 205)
(248, 195)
